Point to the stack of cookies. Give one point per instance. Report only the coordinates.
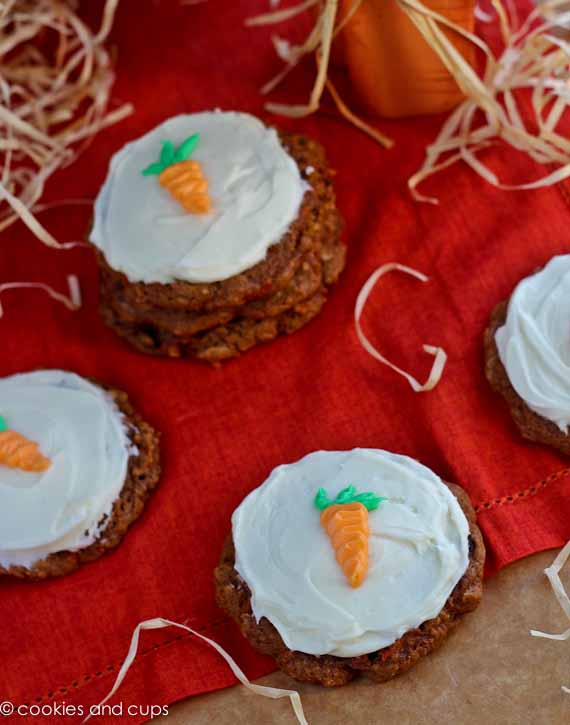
(198, 313)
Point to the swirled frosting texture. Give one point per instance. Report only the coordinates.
(534, 342)
(79, 427)
(418, 552)
(255, 187)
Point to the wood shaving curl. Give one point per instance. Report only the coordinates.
(439, 354)
(274, 693)
(534, 58)
(72, 301)
(319, 42)
(55, 81)
(553, 574)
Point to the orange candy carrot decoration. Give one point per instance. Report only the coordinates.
(181, 176)
(345, 519)
(17, 451)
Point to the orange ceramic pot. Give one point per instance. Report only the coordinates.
(393, 70)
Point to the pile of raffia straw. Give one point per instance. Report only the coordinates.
(55, 81)
(534, 58)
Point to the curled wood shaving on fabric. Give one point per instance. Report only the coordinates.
(55, 82)
(345, 111)
(278, 16)
(533, 58)
(274, 693)
(325, 25)
(72, 301)
(553, 574)
(439, 354)
(482, 16)
(319, 41)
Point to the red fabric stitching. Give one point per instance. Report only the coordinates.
(520, 495)
(78, 684)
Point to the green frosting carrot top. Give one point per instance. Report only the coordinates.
(3, 425)
(348, 495)
(171, 155)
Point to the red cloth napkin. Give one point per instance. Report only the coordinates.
(225, 429)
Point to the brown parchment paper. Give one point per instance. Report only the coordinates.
(489, 672)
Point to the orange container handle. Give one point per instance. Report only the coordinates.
(393, 70)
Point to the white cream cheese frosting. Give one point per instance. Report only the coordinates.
(254, 184)
(418, 551)
(78, 426)
(534, 342)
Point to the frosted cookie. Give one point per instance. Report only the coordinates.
(215, 233)
(527, 351)
(77, 465)
(351, 562)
